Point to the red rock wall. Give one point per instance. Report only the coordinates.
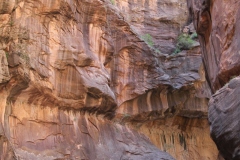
(182, 137)
(74, 74)
(224, 119)
(218, 24)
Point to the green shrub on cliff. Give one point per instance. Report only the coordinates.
(113, 2)
(194, 35)
(148, 39)
(185, 42)
(7, 54)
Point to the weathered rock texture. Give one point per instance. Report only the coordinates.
(217, 23)
(218, 26)
(182, 137)
(51, 133)
(73, 72)
(224, 109)
(161, 19)
(187, 97)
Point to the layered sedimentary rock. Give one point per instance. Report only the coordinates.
(51, 133)
(187, 96)
(224, 118)
(182, 137)
(218, 26)
(74, 72)
(161, 19)
(217, 23)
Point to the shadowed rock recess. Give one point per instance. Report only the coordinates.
(106, 80)
(218, 26)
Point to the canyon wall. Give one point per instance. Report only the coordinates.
(218, 26)
(97, 79)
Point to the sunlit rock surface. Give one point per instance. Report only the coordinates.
(85, 79)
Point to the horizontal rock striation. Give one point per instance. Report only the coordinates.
(187, 97)
(74, 72)
(51, 133)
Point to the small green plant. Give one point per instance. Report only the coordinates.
(157, 51)
(11, 23)
(126, 115)
(184, 42)
(7, 54)
(194, 35)
(232, 77)
(176, 51)
(113, 2)
(148, 39)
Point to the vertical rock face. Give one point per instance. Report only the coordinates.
(182, 137)
(224, 118)
(161, 19)
(218, 24)
(50, 133)
(86, 79)
(219, 38)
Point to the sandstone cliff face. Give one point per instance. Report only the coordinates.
(51, 133)
(219, 38)
(182, 137)
(218, 24)
(78, 78)
(224, 118)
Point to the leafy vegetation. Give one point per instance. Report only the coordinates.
(7, 54)
(185, 42)
(11, 23)
(232, 77)
(176, 51)
(194, 35)
(113, 2)
(157, 50)
(126, 115)
(147, 38)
